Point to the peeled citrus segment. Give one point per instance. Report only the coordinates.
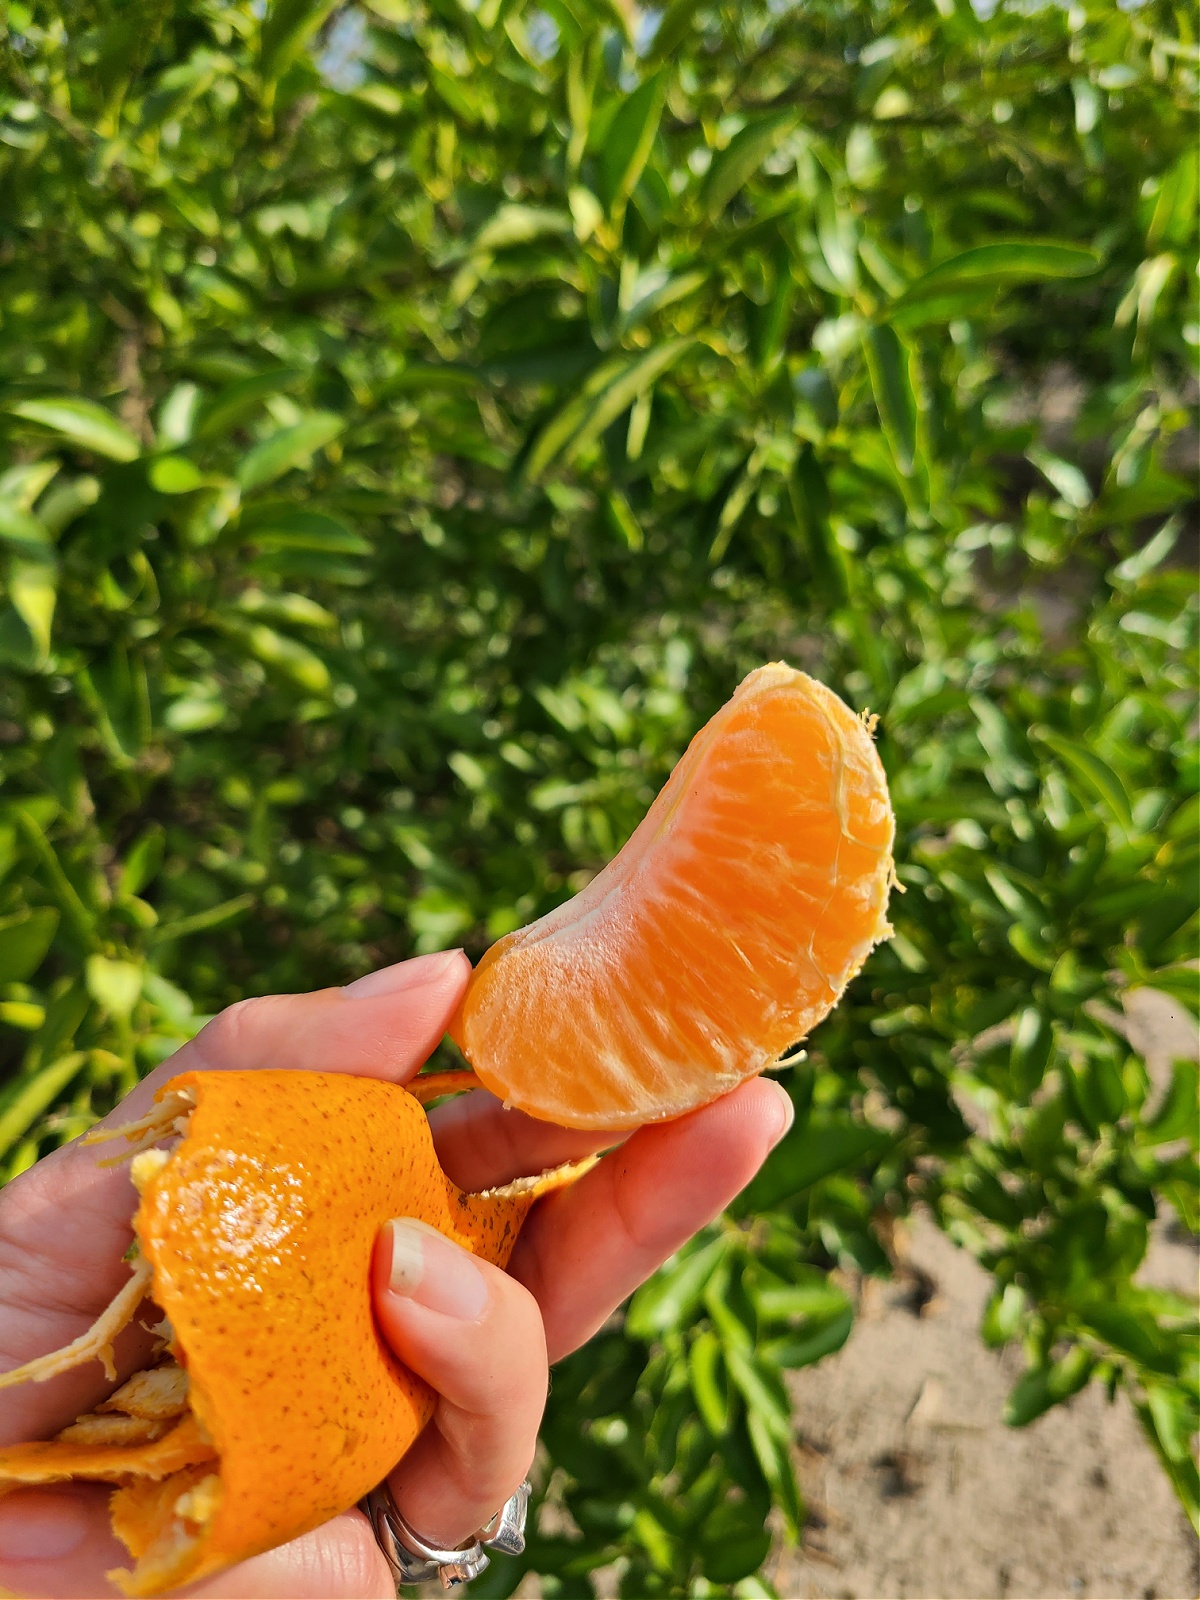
(158, 1392)
(728, 926)
(58, 1460)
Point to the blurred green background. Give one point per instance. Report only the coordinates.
(418, 416)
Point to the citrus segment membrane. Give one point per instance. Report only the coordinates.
(278, 1405)
(728, 926)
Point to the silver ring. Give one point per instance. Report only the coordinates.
(414, 1560)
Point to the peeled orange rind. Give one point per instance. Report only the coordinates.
(272, 1404)
(728, 926)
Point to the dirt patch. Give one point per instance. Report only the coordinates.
(915, 1486)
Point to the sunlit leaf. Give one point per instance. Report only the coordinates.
(83, 422)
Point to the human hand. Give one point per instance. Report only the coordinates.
(480, 1337)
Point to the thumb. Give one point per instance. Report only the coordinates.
(475, 1335)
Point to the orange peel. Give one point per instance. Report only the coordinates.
(280, 1405)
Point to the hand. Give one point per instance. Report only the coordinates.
(480, 1337)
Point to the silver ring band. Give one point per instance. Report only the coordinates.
(414, 1560)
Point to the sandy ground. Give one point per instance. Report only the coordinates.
(915, 1486)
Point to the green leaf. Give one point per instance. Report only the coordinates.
(1176, 1115)
(803, 1349)
(1066, 478)
(291, 659)
(25, 937)
(1033, 1039)
(28, 1098)
(810, 1151)
(601, 401)
(1045, 1386)
(630, 138)
(25, 533)
(1014, 261)
(143, 860)
(672, 30)
(175, 475)
(218, 916)
(669, 1299)
(33, 591)
(235, 402)
(710, 1383)
(740, 160)
(1093, 772)
(286, 528)
(288, 26)
(114, 985)
(83, 422)
(775, 1461)
(290, 447)
(895, 400)
(1152, 554)
(516, 225)
(80, 918)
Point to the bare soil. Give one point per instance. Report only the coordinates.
(915, 1486)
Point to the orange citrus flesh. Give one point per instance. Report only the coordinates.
(258, 1229)
(728, 926)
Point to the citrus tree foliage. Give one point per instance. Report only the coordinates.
(419, 416)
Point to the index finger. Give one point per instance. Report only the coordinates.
(584, 1249)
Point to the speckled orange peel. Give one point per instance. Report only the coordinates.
(272, 1403)
(729, 925)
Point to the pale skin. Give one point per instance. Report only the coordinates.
(483, 1339)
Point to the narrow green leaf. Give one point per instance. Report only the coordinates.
(895, 399)
(710, 1384)
(25, 937)
(1065, 476)
(670, 1297)
(286, 29)
(202, 921)
(1152, 554)
(1176, 1116)
(32, 1097)
(1046, 1386)
(1093, 772)
(73, 908)
(1014, 261)
(733, 168)
(23, 532)
(604, 395)
(515, 225)
(288, 657)
(33, 591)
(625, 389)
(630, 138)
(238, 399)
(290, 447)
(83, 422)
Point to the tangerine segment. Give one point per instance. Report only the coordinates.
(729, 925)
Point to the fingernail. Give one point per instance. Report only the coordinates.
(787, 1106)
(40, 1524)
(432, 1270)
(414, 974)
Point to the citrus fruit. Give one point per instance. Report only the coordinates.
(728, 926)
(273, 1403)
